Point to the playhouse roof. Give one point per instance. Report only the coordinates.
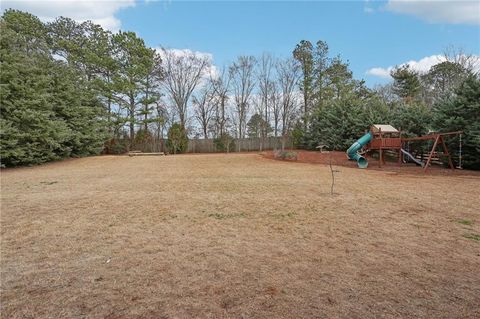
(385, 128)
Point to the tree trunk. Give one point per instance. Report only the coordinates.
(145, 116)
(181, 114)
(109, 115)
(305, 99)
(132, 120)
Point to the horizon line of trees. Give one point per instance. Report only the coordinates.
(75, 89)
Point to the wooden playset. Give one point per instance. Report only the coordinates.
(384, 138)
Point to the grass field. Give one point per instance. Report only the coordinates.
(236, 236)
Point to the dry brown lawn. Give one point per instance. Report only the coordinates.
(236, 236)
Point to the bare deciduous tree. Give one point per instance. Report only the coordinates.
(288, 72)
(183, 72)
(162, 119)
(469, 62)
(204, 107)
(242, 76)
(265, 84)
(220, 89)
(385, 91)
(275, 103)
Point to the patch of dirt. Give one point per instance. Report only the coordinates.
(340, 159)
(236, 236)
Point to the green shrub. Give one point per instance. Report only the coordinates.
(177, 139)
(285, 155)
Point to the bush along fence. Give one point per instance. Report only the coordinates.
(202, 145)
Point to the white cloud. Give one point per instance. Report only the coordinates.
(100, 12)
(422, 66)
(380, 72)
(186, 52)
(446, 11)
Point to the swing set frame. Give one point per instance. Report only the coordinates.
(438, 139)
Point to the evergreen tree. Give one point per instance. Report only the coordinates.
(339, 80)
(151, 93)
(303, 53)
(412, 118)
(462, 113)
(89, 48)
(135, 62)
(321, 63)
(334, 125)
(48, 110)
(406, 83)
(30, 130)
(76, 103)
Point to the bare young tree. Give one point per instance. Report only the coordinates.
(182, 74)
(288, 72)
(242, 76)
(204, 107)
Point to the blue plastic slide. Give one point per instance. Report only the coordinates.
(352, 152)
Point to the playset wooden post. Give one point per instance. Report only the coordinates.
(400, 149)
(445, 151)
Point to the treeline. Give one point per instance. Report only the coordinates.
(71, 89)
(74, 89)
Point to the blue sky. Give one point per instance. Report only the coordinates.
(367, 39)
(369, 34)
